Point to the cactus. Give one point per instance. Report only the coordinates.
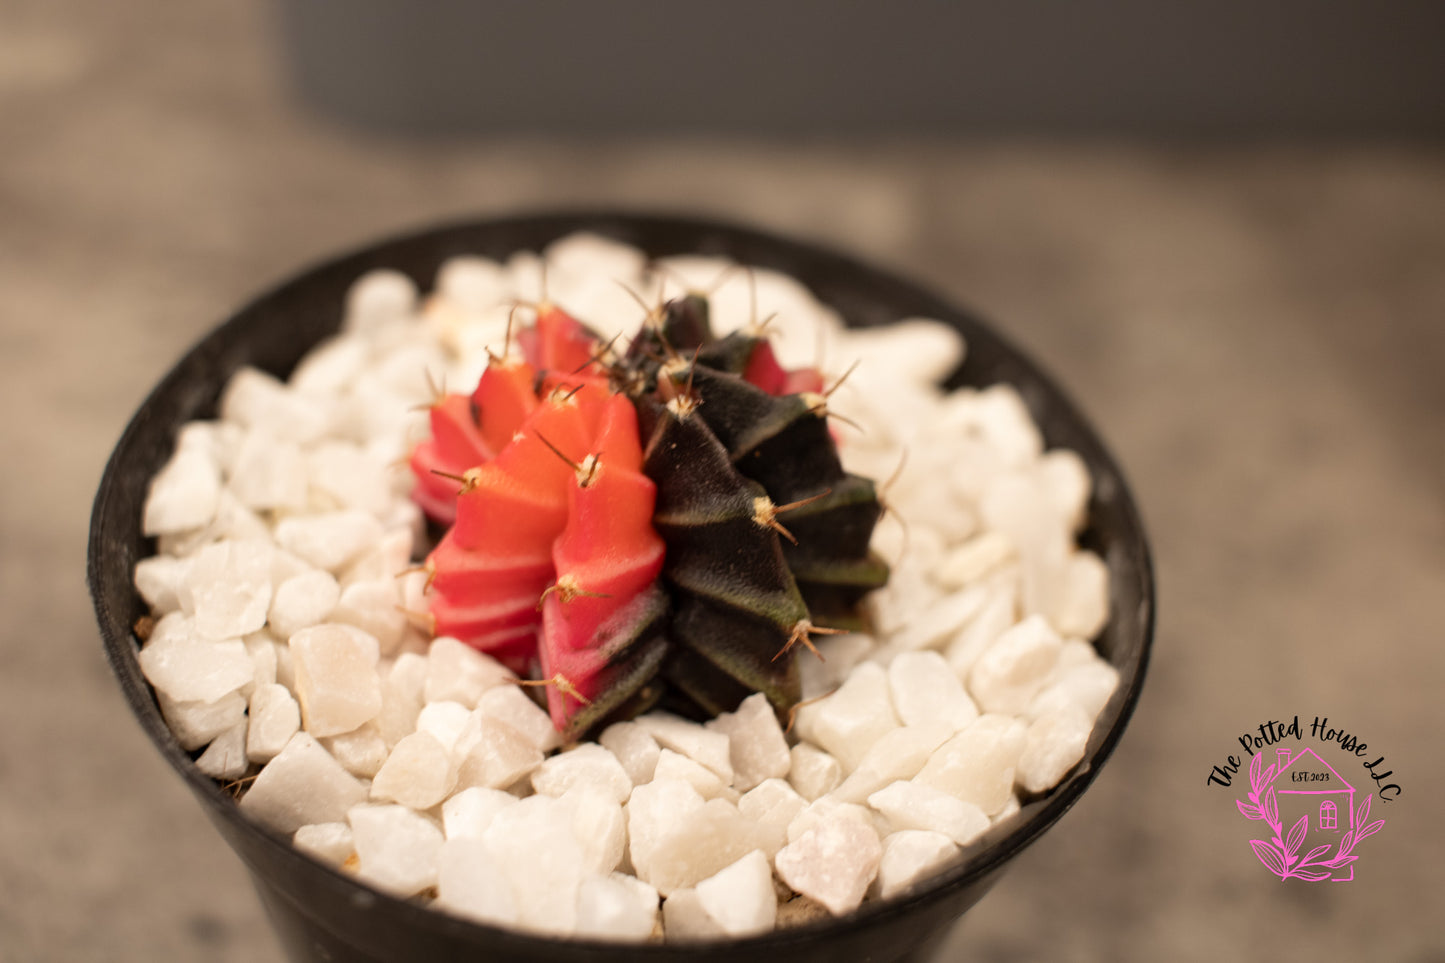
(673, 522)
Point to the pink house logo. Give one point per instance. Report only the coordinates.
(1301, 790)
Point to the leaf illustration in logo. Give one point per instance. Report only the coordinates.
(1256, 773)
(1370, 830)
(1296, 836)
(1313, 875)
(1363, 811)
(1315, 853)
(1249, 812)
(1271, 807)
(1347, 843)
(1267, 854)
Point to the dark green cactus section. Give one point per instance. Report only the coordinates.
(766, 534)
(682, 327)
(634, 682)
(730, 354)
(718, 663)
(783, 443)
(737, 604)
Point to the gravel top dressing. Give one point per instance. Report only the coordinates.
(304, 642)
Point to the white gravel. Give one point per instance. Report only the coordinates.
(284, 648)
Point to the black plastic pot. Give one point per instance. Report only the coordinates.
(322, 914)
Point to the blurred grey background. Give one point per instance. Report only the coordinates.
(1221, 225)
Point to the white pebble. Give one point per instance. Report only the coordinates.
(302, 601)
(470, 883)
(512, 706)
(684, 919)
(974, 559)
(303, 784)
(257, 400)
(197, 723)
(829, 807)
(493, 754)
(849, 721)
(910, 857)
(1066, 478)
(331, 843)
(978, 764)
(474, 283)
(285, 565)
(269, 474)
(700, 844)
(397, 850)
(261, 646)
(344, 475)
(459, 673)
(158, 581)
(227, 588)
(336, 679)
(939, 623)
(1055, 744)
(1003, 421)
(274, 719)
(362, 751)
(913, 805)
(674, 765)
(377, 298)
(654, 810)
(1000, 612)
(183, 494)
(217, 439)
(1013, 670)
(373, 606)
(232, 521)
(1082, 606)
(445, 721)
(329, 540)
(925, 690)
(225, 757)
(1087, 687)
(635, 748)
(190, 669)
(390, 558)
(467, 814)
(813, 772)
(588, 765)
(840, 653)
(701, 745)
(898, 754)
(772, 805)
(757, 748)
(534, 845)
(599, 826)
(741, 897)
(616, 907)
(418, 774)
(833, 863)
(1016, 504)
(402, 685)
(330, 367)
(928, 350)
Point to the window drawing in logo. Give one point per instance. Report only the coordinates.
(1325, 822)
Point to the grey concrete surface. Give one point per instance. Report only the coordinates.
(1258, 331)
